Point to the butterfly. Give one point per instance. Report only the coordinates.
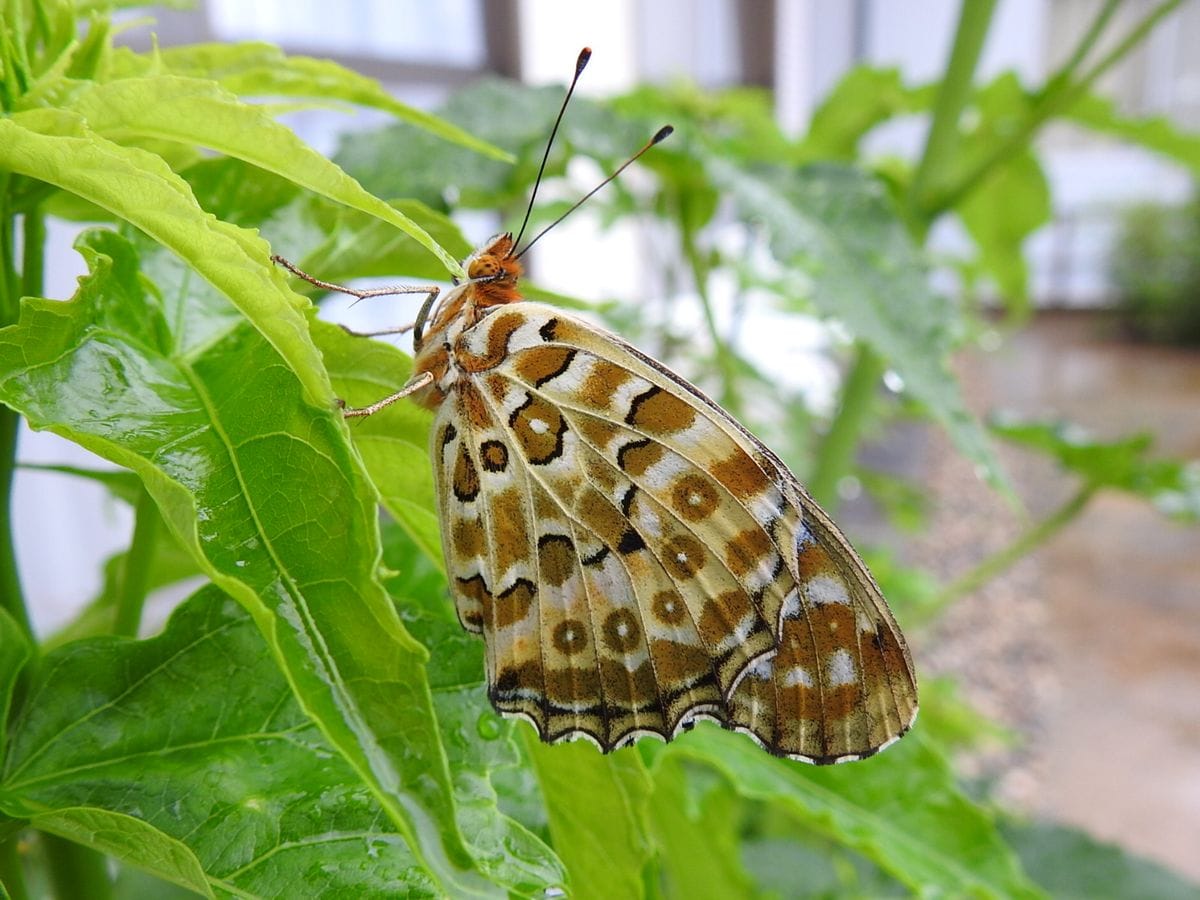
(633, 558)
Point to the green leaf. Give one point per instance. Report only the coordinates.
(257, 69)
(864, 98)
(196, 735)
(597, 807)
(1000, 213)
(358, 247)
(129, 839)
(1074, 866)
(265, 492)
(56, 147)
(852, 257)
(1005, 208)
(901, 810)
(695, 817)
(394, 443)
(1157, 133)
(1173, 486)
(195, 111)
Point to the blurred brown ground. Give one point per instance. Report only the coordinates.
(1090, 648)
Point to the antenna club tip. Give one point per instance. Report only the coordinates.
(584, 55)
(662, 134)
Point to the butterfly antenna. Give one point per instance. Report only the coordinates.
(660, 135)
(584, 55)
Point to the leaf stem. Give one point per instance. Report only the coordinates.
(1060, 94)
(135, 568)
(835, 455)
(953, 93)
(1023, 545)
(75, 870)
(12, 598)
(836, 452)
(1087, 42)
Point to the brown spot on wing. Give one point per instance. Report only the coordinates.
(467, 537)
(693, 497)
(512, 605)
(570, 636)
(465, 481)
(510, 529)
(636, 457)
(604, 379)
(539, 365)
(740, 475)
(494, 456)
(683, 557)
(556, 559)
(747, 550)
(622, 631)
(658, 412)
(539, 429)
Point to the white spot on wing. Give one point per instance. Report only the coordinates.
(822, 589)
(538, 426)
(798, 675)
(840, 668)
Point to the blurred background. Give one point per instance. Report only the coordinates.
(1087, 650)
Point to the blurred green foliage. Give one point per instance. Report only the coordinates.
(1156, 270)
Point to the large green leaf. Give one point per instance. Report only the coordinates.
(1074, 866)
(57, 147)
(195, 111)
(694, 818)
(864, 98)
(1172, 485)
(130, 840)
(258, 69)
(196, 737)
(266, 493)
(851, 257)
(901, 810)
(1157, 133)
(597, 807)
(1007, 206)
(394, 443)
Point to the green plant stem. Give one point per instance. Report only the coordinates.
(835, 456)
(974, 20)
(75, 870)
(12, 598)
(33, 254)
(135, 570)
(730, 398)
(1023, 545)
(1087, 42)
(12, 876)
(836, 453)
(1061, 95)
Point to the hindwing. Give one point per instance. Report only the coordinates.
(635, 559)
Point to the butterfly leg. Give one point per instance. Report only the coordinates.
(423, 380)
(431, 291)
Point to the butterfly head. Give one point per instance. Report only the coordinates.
(495, 271)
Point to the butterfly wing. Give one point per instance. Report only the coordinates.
(704, 580)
